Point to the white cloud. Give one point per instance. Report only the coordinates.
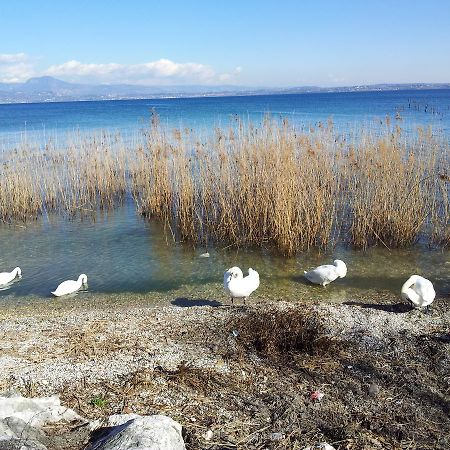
(12, 57)
(154, 72)
(18, 67)
(15, 67)
(230, 76)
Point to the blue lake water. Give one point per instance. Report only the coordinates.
(349, 111)
(122, 253)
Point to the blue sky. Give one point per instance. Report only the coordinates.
(254, 43)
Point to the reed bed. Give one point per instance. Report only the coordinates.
(275, 187)
(268, 186)
(81, 177)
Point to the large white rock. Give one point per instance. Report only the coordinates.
(15, 434)
(36, 412)
(131, 431)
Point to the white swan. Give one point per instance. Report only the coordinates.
(326, 274)
(419, 291)
(239, 287)
(70, 286)
(7, 277)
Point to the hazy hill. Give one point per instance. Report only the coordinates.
(49, 89)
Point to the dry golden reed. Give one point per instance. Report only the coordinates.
(83, 176)
(270, 186)
(275, 187)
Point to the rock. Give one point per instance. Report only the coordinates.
(204, 255)
(15, 427)
(21, 419)
(17, 434)
(7, 443)
(131, 431)
(11, 393)
(36, 411)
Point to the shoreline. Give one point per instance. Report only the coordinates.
(245, 373)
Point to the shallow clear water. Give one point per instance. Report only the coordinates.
(122, 253)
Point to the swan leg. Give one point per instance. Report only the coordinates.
(428, 310)
(232, 300)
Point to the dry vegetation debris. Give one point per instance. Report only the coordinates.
(242, 377)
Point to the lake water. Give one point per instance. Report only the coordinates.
(123, 254)
(349, 111)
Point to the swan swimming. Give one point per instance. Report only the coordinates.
(239, 287)
(326, 274)
(70, 286)
(419, 291)
(7, 277)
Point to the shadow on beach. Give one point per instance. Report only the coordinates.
(399, 308)
(186, 302)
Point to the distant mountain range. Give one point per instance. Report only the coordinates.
(49, 89)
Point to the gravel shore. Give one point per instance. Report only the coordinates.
(242, 376)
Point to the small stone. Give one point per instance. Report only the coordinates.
(374, 390)
(320, 446)
(208, 435)
(204, 255)
(276, 436)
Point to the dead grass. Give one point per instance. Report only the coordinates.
(279, 334)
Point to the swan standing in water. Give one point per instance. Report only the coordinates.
(70, 286)
(7, 277)
(419, 291)
(326, 274)
(239, 287)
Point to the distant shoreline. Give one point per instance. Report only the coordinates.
(50, 90)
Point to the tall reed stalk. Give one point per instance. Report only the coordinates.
(268, 186)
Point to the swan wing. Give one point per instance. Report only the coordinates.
(251, 282)
(5, 278)
(425, 290)
(322, 274)
(66, 287)
(243, 287)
